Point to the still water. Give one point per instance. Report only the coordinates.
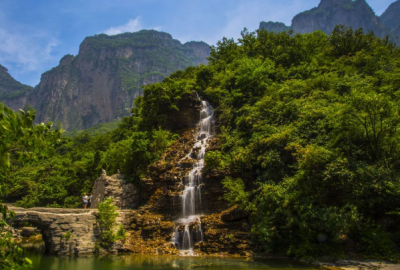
(34, 250)
(134, 262)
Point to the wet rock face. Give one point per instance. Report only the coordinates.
(226, 237)
(187, 116)
(225, 230)
(125, 195)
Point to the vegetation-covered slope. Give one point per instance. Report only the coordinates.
(12, 92)
(307, 140)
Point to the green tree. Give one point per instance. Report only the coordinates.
(20, 141)
(107, 222)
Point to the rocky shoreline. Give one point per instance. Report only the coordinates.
(359, 265)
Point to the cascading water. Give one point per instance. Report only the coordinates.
(188, 228)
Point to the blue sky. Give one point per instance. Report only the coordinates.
(35, 34)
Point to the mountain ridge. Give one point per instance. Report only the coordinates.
(100, 83)
(329, 13)
(12, 92)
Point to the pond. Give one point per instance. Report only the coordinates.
(121, 262)
(34, 250)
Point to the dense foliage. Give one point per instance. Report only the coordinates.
(107, 221)
(309, 138)
(25, 143)
(62, 178)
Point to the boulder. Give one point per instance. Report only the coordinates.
(28, 231)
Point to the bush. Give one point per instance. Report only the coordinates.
(107, 221)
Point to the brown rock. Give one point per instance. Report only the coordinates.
(28, 231)
(234, 213)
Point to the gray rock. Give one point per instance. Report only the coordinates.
(125, 195)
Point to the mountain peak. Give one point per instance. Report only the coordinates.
(330, 3)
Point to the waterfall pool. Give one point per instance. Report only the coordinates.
(150, 262)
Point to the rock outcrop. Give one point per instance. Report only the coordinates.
(68, 231)
(12, 92)
(125, 195)
(64, 231)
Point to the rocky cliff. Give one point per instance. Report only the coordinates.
(391, 18)
(125, 195)
(329, 13)
(12, 92)
(101, 82)
(226, 230)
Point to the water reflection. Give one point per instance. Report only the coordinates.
(157, 262)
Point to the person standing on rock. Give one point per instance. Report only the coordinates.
(90, 200)
(85, 200)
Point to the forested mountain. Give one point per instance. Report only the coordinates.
(306, 142)
(12, 92)
(329, 13)
(100, 83)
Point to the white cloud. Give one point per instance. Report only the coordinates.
(249, 14)
(131, 26)
(28, 52)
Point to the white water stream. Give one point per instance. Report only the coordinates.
(188, 228)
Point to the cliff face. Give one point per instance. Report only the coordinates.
(355, 14)
(12, 92)
(329, 13)
(102, 81)
(391, 18)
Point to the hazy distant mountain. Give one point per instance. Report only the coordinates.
(329, 13)
(274, 26)
(391, 18)
(102, 81)
(12, 92)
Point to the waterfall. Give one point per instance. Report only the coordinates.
(188, 228)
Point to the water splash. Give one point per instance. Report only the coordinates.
(188, 229)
